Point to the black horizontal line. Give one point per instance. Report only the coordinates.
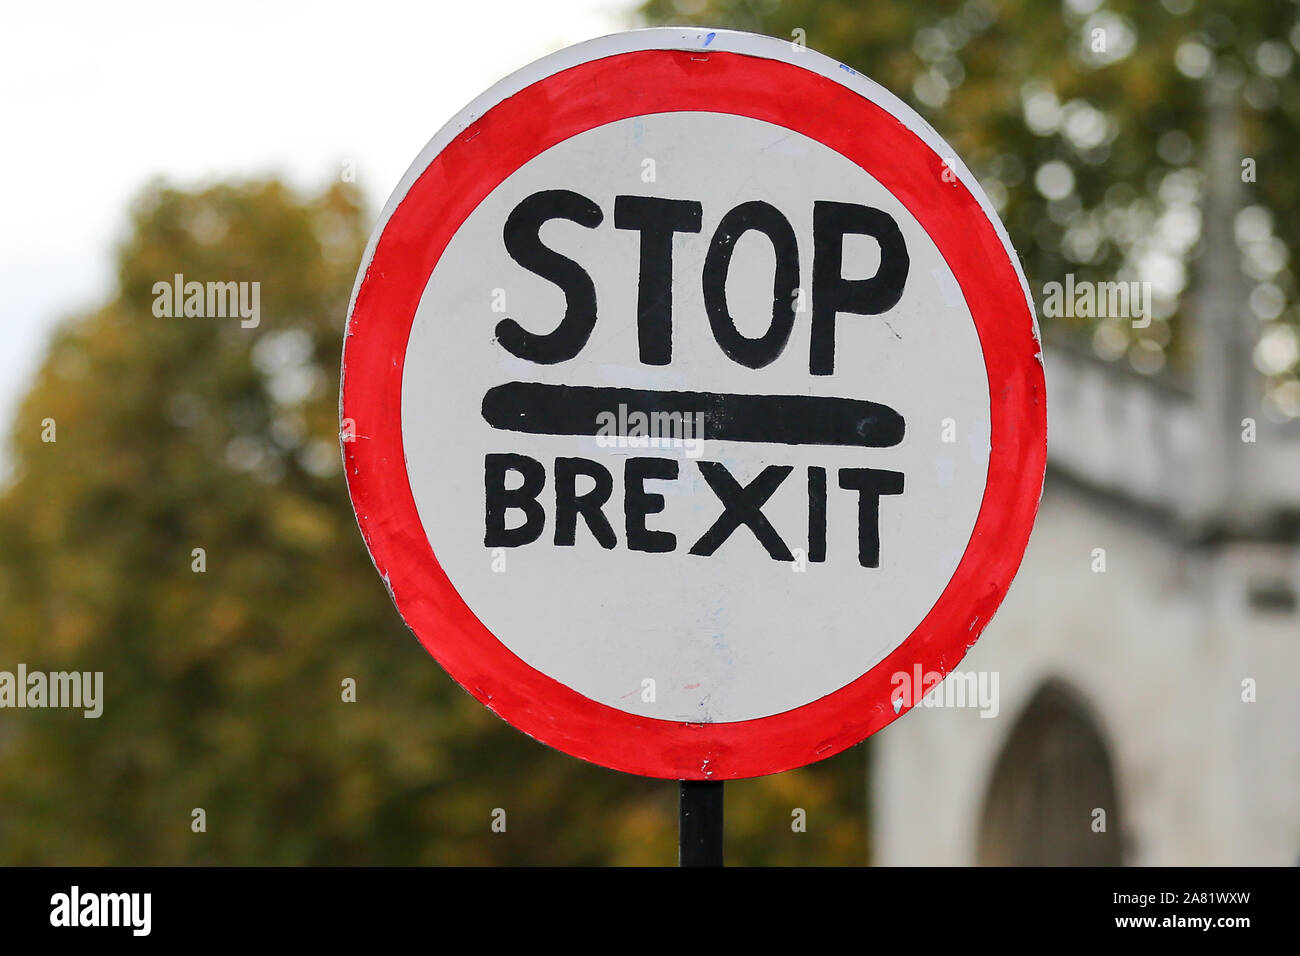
(538, 409)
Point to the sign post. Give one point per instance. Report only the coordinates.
(699, 829)
(691, 394)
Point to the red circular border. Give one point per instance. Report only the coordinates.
(478, 159)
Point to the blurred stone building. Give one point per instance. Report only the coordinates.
(1161, 689)
(1123, 689)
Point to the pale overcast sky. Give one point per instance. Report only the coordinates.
(98, 97)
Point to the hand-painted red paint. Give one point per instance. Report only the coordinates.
(457, 180)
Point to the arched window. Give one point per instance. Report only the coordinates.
(1052, 776)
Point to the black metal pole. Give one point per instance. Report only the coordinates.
(699, 829)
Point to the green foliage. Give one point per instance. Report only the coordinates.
(223, 688)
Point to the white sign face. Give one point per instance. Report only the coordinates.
(678, 401)
(750, 628)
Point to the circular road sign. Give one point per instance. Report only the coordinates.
(692, 403)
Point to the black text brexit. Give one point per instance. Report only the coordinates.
(515, 486)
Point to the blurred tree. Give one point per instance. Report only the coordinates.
(1084, 121)
(223, 687)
